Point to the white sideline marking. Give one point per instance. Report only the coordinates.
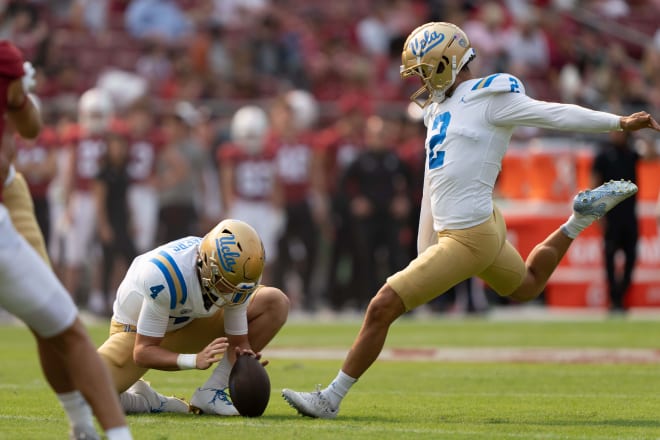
(486, 355)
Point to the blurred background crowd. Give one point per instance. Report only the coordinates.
(165, 116)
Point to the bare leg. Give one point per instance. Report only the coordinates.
(58, 378)
(382, 311)
(588, 206)
(541, 262)
(89, 374)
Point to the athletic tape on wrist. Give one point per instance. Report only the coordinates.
(187, 361)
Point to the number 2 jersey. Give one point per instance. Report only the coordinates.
(468, 134)
(161, 292)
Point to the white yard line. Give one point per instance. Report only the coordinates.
(486, 355)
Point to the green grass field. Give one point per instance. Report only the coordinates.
(399, 398)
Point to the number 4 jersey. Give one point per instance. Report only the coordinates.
(162, 292)
(468, 134)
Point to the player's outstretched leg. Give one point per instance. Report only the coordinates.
(592, 204)
(310, 404)
(588, 206)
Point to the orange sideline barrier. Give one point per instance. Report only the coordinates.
(556, 174)
(580, 279)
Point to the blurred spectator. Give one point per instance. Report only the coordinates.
(114, 221)
(298, 169)
(488, 35)
(273, 54)
(23, 25)
(209, 202)
(155, 64)
(179, 183)
(37, 160)
(651, 60)
(237, 14)
(248, 182)
(527, 47)
(91, 15)
(86, 145)
(376, 188)
(145, 145)
(410, 149)
(339, 146)
(373, 35)
(158, 19)
(617, 159)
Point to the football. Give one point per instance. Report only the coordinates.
(249, 386)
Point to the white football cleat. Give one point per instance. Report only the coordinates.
(212, 401)
(310, 404)
(596, 202)
(157, 402)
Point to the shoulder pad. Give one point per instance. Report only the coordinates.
(498, 83)
(163, 281)
(11, 60)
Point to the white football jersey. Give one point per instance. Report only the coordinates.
(468, 134)
(161, 292)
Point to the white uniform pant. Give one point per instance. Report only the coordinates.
(28, 287)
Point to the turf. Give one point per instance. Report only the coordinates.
(398, 399)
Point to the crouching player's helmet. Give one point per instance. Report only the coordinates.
(435, 52)
(231, 261)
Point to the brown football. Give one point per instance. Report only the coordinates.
(249, 386)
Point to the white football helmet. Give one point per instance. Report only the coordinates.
(231, 261)
(435, 52)
(304, 107)
(249, 127)
(95, 110)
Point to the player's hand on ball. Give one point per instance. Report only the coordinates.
(639, 120)
(247, 352)
(211, 353)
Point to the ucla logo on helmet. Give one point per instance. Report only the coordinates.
(226, 255)
(421, 45)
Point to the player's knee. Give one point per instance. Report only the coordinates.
(385, 307)
(276, 303)
(525, 293)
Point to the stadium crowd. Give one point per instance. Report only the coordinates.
(146, 141)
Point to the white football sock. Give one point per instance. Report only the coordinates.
(134, 403)
(77, 409)
(119, 433)
(576, 223)
(220, 377)
(338, 388)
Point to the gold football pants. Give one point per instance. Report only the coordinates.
(117, 350)
(16, 197)
(459, 254)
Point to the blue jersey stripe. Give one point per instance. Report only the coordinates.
(490, 80)
(485, 82)
(170, 281)
(478, 84)
(179, 275)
